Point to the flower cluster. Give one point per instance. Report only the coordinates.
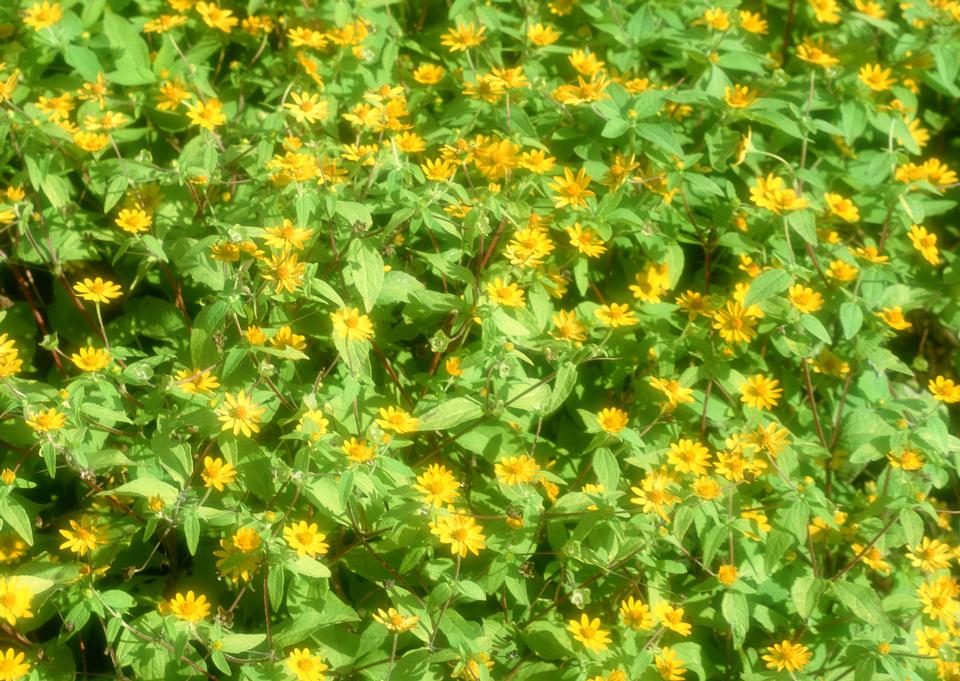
(574, 340)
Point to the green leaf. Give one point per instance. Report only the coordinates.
(660, 136)
(472, 590)
(851, 319)
(191, 529)
(816, 328)
(766, 285)
(861, 600)
(367, 270)
(547, 639)
(146, 488)
(241, 643)
(614, 128)
(450, 413)
(563, 385)
(737, 614)
(14, 516)
(806, 591)
(135, 53)
(912, 526)
(607, 470)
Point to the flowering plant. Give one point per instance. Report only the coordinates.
(575, 340)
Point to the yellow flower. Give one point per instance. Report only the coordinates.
(287, 236)
(652, 283)
(654, 495)
(842, 207)
(870, 8)
(760, 392)
(717, 19)
(208, 115)
(804, 298)
(240, 414)
(568, 327)
(397, 420)
(738, 96)
(893, 317)
(671, 618)
(505, 294)
(842, 271)
(196, 381)
(707, 488)
(925, 243)
(930, 555)
(612, 420)
(826, 11)
(636, 614)
(590, 633)
(872, 558)
(771, 193)
(234, 563)
(216, 17)
(15, 598)
(687, 456)
(83, 537)
(45, 421)
(43, 15)
(529, 246)
(314, 423)
(164, 23)
(358, 451)
(348, 323)
(675, 393)
(542, 35)
(462, 37)
(586, 241)
(788, 656)
(428, 74)
(727, 574)
(216, 473)
(876, 77)
(930, 640)
(615, 315)
(286, 271)
(438, 486)
(189, 608)
(134, 220)
(461, 532)
(816, 54)
(669, 666)
(571, 190)
(695, 304)
(585, 62)
(306, 666)
(307, 107)
(452, 366)
(735, 324)
(939, 599)
(753, 22)
(91, 359)
(12, 665)
(394, 621)
(286, 338)
(439, 170)
(97, 290)
(907, 460)
(305, 539)
(516, 470)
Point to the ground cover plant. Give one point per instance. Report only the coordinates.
(566, 341)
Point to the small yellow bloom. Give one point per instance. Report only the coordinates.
(91, 359)
(590, 633)
(788, 656)
(189, 608)
(348, 323)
